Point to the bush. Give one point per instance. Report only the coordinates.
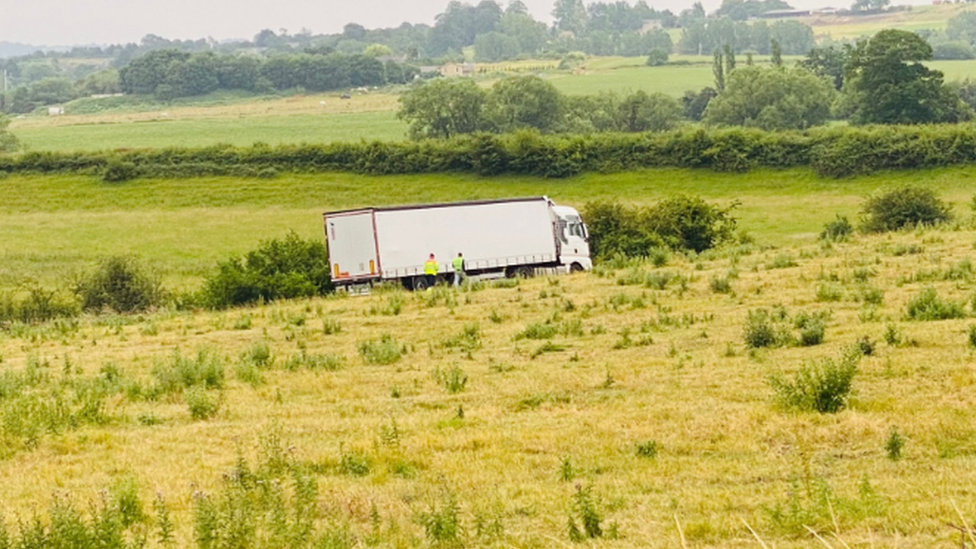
(812, 329)
(39, 305)
(823, 386)
(838, 229)
(759, 331)
(927, 305)
(657, 57)
(278, 269)
(202, 403)
(904, 207)
(117, 171)
(120, 284)
(690, 223)
(680, 223)
(382, 351)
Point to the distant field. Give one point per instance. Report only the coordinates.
(196, 132)
(850, 28)
(54, 227)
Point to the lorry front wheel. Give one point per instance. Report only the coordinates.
(575, 268)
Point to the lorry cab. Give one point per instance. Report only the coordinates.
(573, 239)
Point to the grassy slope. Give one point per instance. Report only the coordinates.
(53, 227)
(726, 454)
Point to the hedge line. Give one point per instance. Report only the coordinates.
(831, 152)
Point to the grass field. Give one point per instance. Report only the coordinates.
(54, 227)
(840, 28)
(633, 382)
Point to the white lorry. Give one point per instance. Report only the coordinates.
(496, 237)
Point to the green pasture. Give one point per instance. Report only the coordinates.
(242, 130)
(53, 227)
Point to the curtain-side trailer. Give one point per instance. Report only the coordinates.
(496, 238)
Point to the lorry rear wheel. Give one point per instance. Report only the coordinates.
(419, 283)
(524, 272)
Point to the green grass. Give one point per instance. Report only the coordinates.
(53, 227)
(244, 130)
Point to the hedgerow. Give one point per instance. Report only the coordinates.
(831, 152)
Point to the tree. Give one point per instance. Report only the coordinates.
(529, 33)
(524, 102)
(962, 27)
(889, 84)
(144, 74)
(442, 108)
(772, 99)
(657, 57)
(694, 104)
(776, 53)
(640, 112)
(52, 90)
(8, 141)
(828, 61)
(495, 46)
(570, 16)
(378, 50)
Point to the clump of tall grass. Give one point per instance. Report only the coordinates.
(927, 305)
(382, 351)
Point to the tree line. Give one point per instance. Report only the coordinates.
(169, 73)
(881, 80)
(445, 108)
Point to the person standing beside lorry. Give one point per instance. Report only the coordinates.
(430, 270)
(458, 265)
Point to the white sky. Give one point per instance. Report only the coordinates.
(70, 22)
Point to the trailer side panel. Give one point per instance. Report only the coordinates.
(490, 235)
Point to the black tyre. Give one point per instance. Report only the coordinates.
(575, 268)
(419, 283)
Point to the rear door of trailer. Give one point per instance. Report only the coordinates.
(353, 253)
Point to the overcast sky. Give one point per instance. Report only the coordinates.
(70, 22)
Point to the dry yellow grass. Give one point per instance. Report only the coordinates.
(726, 453)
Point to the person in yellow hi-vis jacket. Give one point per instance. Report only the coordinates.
(458, 265)
(430, 270)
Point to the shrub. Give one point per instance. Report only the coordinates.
(117, 171)
(721, 285)
(812, 328)
(647, 449)
(759, 331)
(584, 509)
(904, 207)
(822, 386)
(537, 330)
(278, 269)
(202, 403)
(680, 223)
(782, 261)
(690, 223)
(39, 305)
(927, 305)
(120, 284)
(657, 57)
(894, 444)
(382, 351)
(838, 229)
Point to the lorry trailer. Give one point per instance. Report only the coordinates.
(513, 237)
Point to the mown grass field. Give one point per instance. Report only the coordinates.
(633, 382)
